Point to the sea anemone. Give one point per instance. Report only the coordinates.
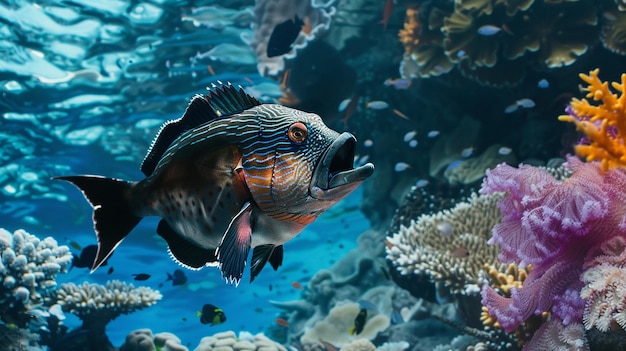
(557, 226)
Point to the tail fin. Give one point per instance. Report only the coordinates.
(113, 216)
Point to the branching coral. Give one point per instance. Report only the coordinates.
(28, 268)
(557, 226)
(603, 125)
(97, 305)
(450, 246)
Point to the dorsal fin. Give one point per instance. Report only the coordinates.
(221, 101)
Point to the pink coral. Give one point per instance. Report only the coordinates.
(557, 226)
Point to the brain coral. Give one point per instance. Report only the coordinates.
(449, 246)
(28, 267)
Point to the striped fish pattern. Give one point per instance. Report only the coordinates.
(231, 175)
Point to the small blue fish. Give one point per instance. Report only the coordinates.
(141, 276)
(398, 84)
(488, 30)
(401, 166)
(377, 105)
(543, 84)
(177, 278)
(432, 134)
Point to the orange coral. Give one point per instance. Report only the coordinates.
(604, 125)
(410, 35)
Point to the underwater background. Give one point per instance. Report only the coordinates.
(427, 254)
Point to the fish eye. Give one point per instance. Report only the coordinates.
(297, 132)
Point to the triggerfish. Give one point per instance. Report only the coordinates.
(232, 173)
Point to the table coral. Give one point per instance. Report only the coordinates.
(335, 328)
(603, 125)
(91, 301)
(493, 41)
(28, 268)
(561, 228)
(450, 246)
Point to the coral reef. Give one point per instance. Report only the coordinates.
(229, 341)
(336, 326)
(564, 229)
(28, 268)
(495, 42)
(449, 247)
(143, 340)
(97, 305)
(604, 125)
(424, 55)
(268, 14)
(605, 289)
(449, 147)
(614, 29)
(473, 169)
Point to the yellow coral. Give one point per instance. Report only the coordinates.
(604, 125)
(504, 279)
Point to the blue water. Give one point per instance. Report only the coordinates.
(246, 307)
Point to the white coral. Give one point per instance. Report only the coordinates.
(29, 263)
(112, 300)
(454, 256)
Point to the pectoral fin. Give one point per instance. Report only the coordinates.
(261, 254)
(232, 252)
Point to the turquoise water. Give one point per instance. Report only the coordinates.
(246, 307)
(435, 91)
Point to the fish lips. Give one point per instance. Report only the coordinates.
(335, 176)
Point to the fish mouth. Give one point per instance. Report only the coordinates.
(335, 175)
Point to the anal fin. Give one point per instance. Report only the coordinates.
(185, 252)
(233, 250)
(263, 253)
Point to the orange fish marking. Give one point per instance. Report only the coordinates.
(282, 322)
(388, 244)
(400, 114)
(210, 69)
(283, 83)
(297, 285)
(460, 252)
(308, 27)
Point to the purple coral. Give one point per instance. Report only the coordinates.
(552, 225)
